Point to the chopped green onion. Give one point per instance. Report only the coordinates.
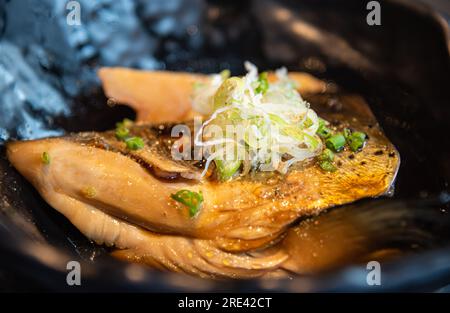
(325, 161)
(294, 131)
(360, 135)
(225, 74)
(336, 142)
(327, 155)
(307, 123)
(311, 140)
(193, 200)
(125, 123)
(347, 132)
(356, 141)
(45, 158)
(327, 166)
(134, 143)
(225, 94)
(226, 169)
(323, 131)
(277, 122)
(122, 133)
(263, 83)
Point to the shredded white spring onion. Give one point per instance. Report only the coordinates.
(279, 127)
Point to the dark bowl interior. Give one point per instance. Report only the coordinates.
(402, 68)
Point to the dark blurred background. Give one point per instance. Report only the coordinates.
(48, 86)
(45, 62)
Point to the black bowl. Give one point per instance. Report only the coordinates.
(401, 67)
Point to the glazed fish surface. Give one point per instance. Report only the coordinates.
(126, 193)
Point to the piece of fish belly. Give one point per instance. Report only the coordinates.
(122, 198)
(242, 214)
(106, 180)
(175, 253)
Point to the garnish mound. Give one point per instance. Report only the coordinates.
(274, 127)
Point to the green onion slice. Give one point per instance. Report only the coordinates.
(225, 94)
(225, 74)
(327, 155)
(134, 143)
(193, 200)
(45, 157)
(325, 161)
(125, 123)
(307, 123)
(122, 129)
(356, 140)
(226, 169)
(122, 133)
(347, 132)
(327, 166)
(323, 131)
(336, 142)
(263, 83)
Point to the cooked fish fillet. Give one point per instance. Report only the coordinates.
(122, 198)
(164, 96)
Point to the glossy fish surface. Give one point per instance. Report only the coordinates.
(122, 197)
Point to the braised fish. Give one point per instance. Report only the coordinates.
(123, 197)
